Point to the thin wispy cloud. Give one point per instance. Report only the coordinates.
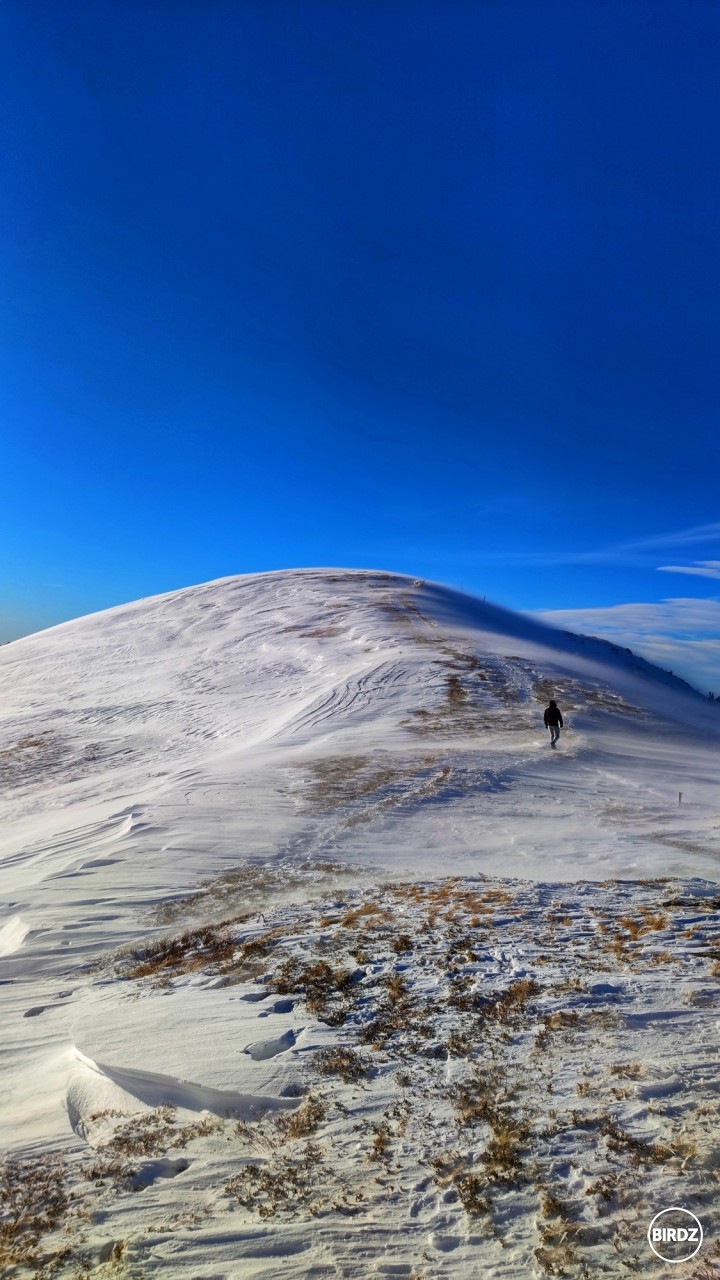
(641, 552)
(684, 537)
(702, 568)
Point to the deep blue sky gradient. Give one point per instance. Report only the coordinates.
(427, 286)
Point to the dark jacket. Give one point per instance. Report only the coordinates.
(553, 716)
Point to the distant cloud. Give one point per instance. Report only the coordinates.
(703, 568)
(638, 551)
(684, 537)
(682, 635)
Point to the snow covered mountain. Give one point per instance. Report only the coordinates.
(262, 739)
(194, 729)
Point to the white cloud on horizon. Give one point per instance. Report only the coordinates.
(703, 568)
(682, 635)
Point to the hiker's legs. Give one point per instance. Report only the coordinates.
(554, 734)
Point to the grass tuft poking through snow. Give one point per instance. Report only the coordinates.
(489, 1066)
(34, 1200)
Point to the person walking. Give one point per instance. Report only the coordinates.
(553, 721)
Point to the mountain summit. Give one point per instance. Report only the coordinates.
(207, 717)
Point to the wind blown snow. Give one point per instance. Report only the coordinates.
(315, 961)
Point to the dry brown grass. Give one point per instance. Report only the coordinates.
(646, 921)
(483, 1096)
(471, 1192)
(396, 987)
(447, 904)
(359, 915)
(488, 899)
(576, 695)
(508, 1006)
(146, 1135)
(34, 1199)
(554, 1206)
(450, 1170)
(478, 693)
(361, 788)
(557, 1254)
(655, 920)
(459, 1045)
(638, 1150)
(605, 1188)
(320, 985)
(305, 1121)
(497, 1114)
(22, 761)
(401, 943)
(202, 947)
(285, 1185)
(344, 1062)
(383, 1026)
(628, 1070)
(504, 1155)
(552, 1023)
(382, 1133)
(342, 780)
(154, 1132)
(706, 1271)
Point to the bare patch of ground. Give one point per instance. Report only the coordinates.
(362, 787)
(576, 695)
(255, 884)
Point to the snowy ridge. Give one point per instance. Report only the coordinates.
(258, 749)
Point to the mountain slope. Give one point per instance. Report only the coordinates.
(294, 752)
(219, 659)
(181, 714)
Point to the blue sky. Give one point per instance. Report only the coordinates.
(428, 286)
